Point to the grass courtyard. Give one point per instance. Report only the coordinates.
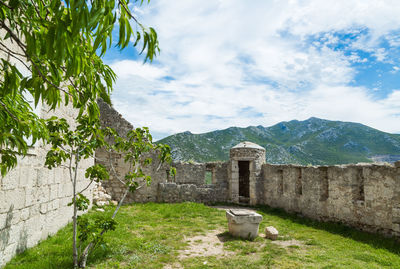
(190, 235)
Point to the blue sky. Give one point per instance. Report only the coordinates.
(235, 63)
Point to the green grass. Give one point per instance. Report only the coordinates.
(151, 236)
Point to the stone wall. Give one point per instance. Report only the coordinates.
(33, 199)
(365, 196)
(187, 185)
(174, 193)
(190, 183)
(111, 118)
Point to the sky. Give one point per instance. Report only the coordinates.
(238, 63)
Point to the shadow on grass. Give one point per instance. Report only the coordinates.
(374, 240)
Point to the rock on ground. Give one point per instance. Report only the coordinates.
(271, 233)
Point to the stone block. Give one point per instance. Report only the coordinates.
(58, 175)
(54, 191)
(4, 206)
(27, 177)
(16, 198)
(44, 194)
(34, 210)
(396, 227)
(24, 213)
(397, 164)
(271, 233)
(44, 177)
(11, 180)
(30, 196)
(243, 223)
(43, 208)
(3, 220)
(15, 231)
(50, 174)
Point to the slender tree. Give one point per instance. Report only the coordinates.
(71, 146)
(52, 51)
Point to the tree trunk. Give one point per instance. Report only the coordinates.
(86, 251)
(74, 218)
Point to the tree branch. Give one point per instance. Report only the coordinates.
(130, 14)
(8, 111)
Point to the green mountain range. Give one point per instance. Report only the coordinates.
(313, 141)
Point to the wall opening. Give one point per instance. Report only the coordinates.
(280, 182)
(170, 178)
(358, 187)
(208, 177)
(299, 182)
(244, 179)
(167, 172)
(324, 188)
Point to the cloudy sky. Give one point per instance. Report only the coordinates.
(238, 63)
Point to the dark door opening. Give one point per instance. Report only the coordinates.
(244, 179)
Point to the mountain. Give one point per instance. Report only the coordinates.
(313, 141)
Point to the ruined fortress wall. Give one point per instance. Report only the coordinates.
(365, 196)
(109, 117)
(33, 199)
(187, 185)
(190, 184)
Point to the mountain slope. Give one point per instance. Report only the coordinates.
(313, 141)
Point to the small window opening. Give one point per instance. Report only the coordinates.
(280, 181)
(299, 183)
(167, 171)
(208, 178)
(358, 187)
(324, 190)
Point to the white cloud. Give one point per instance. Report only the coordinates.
(128, 68)
(236, 63)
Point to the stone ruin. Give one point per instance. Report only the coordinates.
(246, 160)
(34, 200)
(364, 196)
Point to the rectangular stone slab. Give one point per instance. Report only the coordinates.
(241, 212)
(244, 225)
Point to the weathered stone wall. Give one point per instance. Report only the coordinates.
(33, 199)
(365, 196)
(188, 182)
(255, 155)
(190, 185)
(111, 118)
(174, 193)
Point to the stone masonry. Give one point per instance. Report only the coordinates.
(364, 196)
(33, 199)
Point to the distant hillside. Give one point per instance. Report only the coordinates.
(313, 141)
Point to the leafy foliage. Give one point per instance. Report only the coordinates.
(53, 51)
(69, 146)
(91, 228)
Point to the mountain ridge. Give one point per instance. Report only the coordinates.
(313, 141)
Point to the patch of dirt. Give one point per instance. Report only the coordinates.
(288, 243)
(210, 244)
